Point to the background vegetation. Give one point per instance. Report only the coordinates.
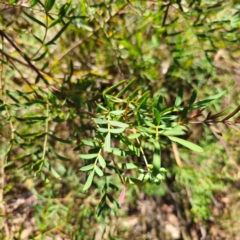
(119, 119)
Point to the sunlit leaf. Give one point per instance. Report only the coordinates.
(119, 124)
(107, 143)
(87, 168)
(187, 144)
(89, 181)
(117, 130)
(102, 161)
(100, 121)
(157, 156)
(157, 116)
(88, 156)
(98, 171)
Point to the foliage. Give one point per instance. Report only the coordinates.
(109, 89)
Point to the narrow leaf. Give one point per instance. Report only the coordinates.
(157, 156)
(187, 144)
(119, 124)
(125, 88)
(91, 143)
(49, 4)
(59, 33)
(58, 156)
(113, 87)
(88, 156)
(103, 130)
(101, 161)
(129, 166)
(87, 168)
(100, 121)
(179, 97)
(98, 171)
(157, 116)
(117, 112)
(34, 19)
(33, 2)
(117, 130)
(107, 143)
(60, 139)
(89, 181)
(134, 135)
(193, 97)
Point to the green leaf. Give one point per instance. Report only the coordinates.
(113, 201)
(89, 181)
(125, 88)
(120, 152)
(61, 139)
(49, 4)
(100, 121)
(101, 107)
(56, 21)
(117, 130)
(114, 87)
(31, 118)
(157, 116)
(101, 161)
(117, 112)
(187, 144)
(176, 132)
(59, 33)
(134, 136)
(179, 97)
(37, 38)
(144, 97)
(58, 156)
(134, 93)
(204, 103)
(107, 143)
(193, 97)
(33, 2)
(169, 117)
(119, 124)
(98, 171)
(63, 10)
(37, 166)
(88, 156)
(91, 143)
(157, 156)
(87, 168)
(52, 170)
(41, 56)
(103, 130)
(129, 166)
(34, 19)
(183, 113)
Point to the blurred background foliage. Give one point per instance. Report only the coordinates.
(58, 58)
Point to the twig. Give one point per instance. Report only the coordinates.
(26, 58)
(71, 48)
(69, 103)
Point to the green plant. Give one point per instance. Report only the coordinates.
(65, 107)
